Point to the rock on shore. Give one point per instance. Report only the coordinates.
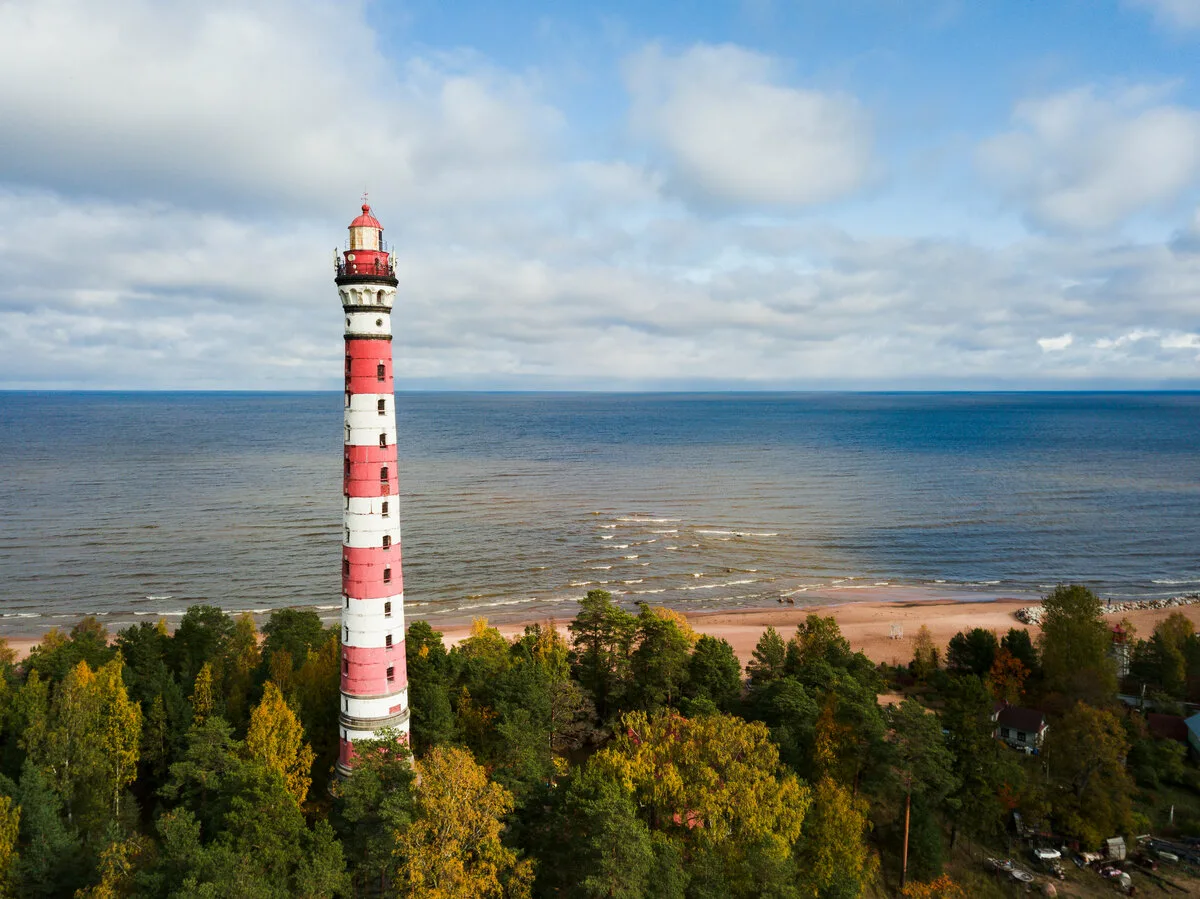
(1033, 614)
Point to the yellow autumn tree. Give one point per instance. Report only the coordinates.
(10, 821)
(203, 699)
(835, 859)
(453, 850)
(1006, 680)
(120, 729)
(118, 864)
(276, 738)
(942, 888)
(679, 620)
(925, 654)
(714, 780)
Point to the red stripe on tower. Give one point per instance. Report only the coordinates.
(374, 688)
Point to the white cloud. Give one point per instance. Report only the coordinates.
(1181, 342)
(1107, 343)
(734, 133)
(1081, 161)
(1183, 14)
(254, 102)
(1055, 344)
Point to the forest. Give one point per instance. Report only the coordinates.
(623, 755)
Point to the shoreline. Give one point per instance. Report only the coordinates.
(867, 623)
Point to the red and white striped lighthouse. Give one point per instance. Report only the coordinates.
(374, 680)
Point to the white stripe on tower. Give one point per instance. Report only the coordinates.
(374, 690)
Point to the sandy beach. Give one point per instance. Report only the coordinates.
(866, 623)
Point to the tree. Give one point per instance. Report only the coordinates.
(612, 855)
(1086, 751)
(835, 861)
(973, 652)
(1006, 680)
(204, 702)
(432, 718)
(200, 637)
(294, 631)
(984, 767)
(58, 653)
(770, 654)
(241, 659)
(1075, 645)
(659, 665)
(601, 640)
(923, 764)
(817, 639)
(372, 805)
(276, 739)
(1020, 645)
(715, 672)
(452, 850)
(941, 888)
(52, 862)
(713, 782)
(10, 826)
(925, 654)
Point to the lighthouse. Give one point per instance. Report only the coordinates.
(374, 685)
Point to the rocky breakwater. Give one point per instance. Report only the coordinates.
(1033, 614)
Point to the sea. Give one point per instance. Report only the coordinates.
(133, 506)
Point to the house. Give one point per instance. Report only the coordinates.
(1193, 733)
(1021, 728)
(1167, 727)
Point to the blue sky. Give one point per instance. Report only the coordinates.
(875, 194)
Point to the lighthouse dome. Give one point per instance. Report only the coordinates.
(366, 220)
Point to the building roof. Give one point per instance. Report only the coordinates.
(1167, 727)
(366, 220)
(1193, 724)
(1028, 720)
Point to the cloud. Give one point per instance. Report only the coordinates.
(733, 133)
(261, 102)
(1055, 344)
(1182, 14)
(1080, 161)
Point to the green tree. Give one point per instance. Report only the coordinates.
(973, 652)
(601, 640)
(294, 631)
(925, 655)
(1020, 645)
(200, 637)
(276, 739)
(241, 659)
(58, 654)
(1086, 751)
(817, 640)
(432, 717)
(715, 672)
(203, 698)
(924, 767)
(770, 654)
(373, 804)
(985, 769)
(612, 852)
(52, 862)
(660, 663)
(1075, 645)
(452, 850)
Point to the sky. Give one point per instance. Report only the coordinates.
(767, 194)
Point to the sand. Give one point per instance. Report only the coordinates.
(866, 623)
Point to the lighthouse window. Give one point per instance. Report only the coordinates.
(383, 440)
(387, 541)
(346, 638)
(387, 574)
(345, 567)
(347, 602)
(347, 468)
(348, 365)
(345, 666)
(388, 641)
(380, 372)
(379, 297)
(391, 673)
(383, 510)
(383, 473)
(381, 405)
(347, 399)
(387, 609)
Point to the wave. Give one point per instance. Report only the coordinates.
(1175, 582)
(637, 581)
(601, 567)
(580, 583)
(638, 519)
(162, 598)
(629, 557)
(606, 536)
(738, 533)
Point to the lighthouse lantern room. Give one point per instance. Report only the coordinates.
(374, 682)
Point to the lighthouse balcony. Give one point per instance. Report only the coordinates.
(365, 266)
